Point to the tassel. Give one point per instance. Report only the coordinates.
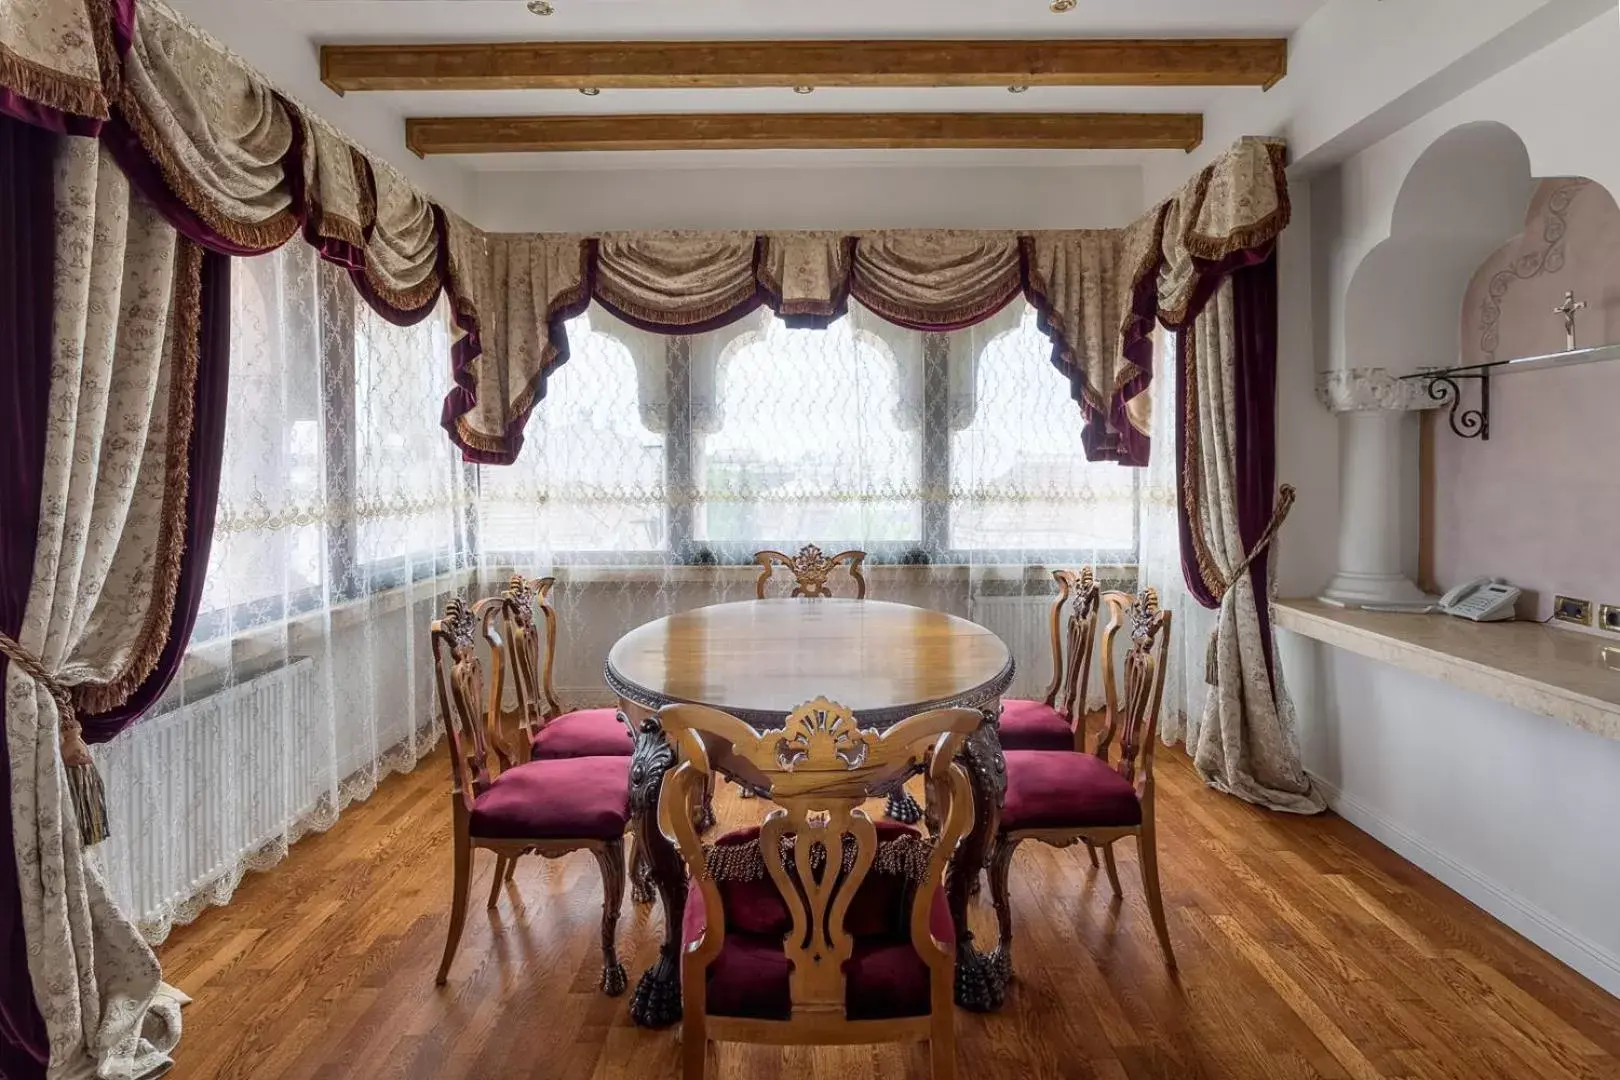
(84, 783)
(89, 802)
(1212, 659)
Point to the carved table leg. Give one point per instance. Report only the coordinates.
(657, 1000)
(981, 978)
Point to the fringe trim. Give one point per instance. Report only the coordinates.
(261, 236)
(478, 440)
(904, 857)
(1258, 234)
(53, 89)
(411, 298)
(829, 308)
(926, 318)
(1178, 316)
(186, 319)
(1214, 581)
(742, 296)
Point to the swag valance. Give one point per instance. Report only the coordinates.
(1098, 293)
(241, 169)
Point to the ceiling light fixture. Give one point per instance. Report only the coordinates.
(804, 89)
(590, 91)
(1061, 6)
(540, 7)
(1016, 89)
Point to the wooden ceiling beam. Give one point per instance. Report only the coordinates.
(804, 131)
(612, 65)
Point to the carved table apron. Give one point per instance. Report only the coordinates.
(760, 659)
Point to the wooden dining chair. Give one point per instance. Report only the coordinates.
(548, 731)
(810, 570)
(552, 807)
(1061, 797)
(820, 926)
(1058, 720)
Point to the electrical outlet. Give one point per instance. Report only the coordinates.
(1572, 609)
(1609, 618)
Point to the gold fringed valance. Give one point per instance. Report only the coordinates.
(1099, 292)
(253, 168)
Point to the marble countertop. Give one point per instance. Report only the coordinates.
(1564, 674)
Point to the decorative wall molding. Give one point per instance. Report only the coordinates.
(1372, 388)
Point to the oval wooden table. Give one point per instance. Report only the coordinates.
(758, 660)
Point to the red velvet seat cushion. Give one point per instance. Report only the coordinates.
(1030, 725)
(1047, 790)
(586, 733)
(566, 799)
(883, 978)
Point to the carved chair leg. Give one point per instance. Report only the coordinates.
(1000, 870)
(694, 1050)
(610, 857)
(1113, 871)
(498, 879)
(1147, 854)
(1091, 853)
(942, 1046)
(458, 902)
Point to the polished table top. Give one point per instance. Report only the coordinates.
(760, 659)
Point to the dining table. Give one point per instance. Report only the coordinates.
(760, 659)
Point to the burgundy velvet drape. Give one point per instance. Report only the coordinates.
(27, 286)
(1254, 338)
(206, 456)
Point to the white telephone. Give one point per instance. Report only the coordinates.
(1482, 600)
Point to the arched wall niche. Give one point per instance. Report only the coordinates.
(1464, 196)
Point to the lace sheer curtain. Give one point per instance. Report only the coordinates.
(656, 466)
(1191, 623)
(344, 520)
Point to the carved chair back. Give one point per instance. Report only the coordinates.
(818, 845)
(810, 570)
(531, 649)
(459, 680)
(1074, 635)
(1135, 692)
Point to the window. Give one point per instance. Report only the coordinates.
(1019, 475)
(590, 477)
(925, 448)
(808, 440)
(337, 480)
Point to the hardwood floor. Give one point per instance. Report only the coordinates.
(1306, 950)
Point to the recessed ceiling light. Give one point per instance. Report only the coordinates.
(1063, 5)
(540, 7)
(804, 89)
(1016, 89)
(590, 91)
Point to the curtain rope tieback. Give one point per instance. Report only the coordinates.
(84, 781)
(1285, 503)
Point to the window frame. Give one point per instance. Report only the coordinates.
(934, 503)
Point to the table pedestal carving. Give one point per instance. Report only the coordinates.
(657, 1000)
(981, 978)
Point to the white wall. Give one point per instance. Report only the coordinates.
(805, 197)
(1514, 811)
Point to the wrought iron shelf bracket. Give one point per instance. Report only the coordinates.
(1444, 385)
(1444, 388)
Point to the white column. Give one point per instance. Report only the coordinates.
(1374, 407)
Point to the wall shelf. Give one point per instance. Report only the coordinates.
(1444, 385)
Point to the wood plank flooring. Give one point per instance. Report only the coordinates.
(1306, 950)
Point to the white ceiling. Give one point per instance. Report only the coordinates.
(314, 22)
(472, 20)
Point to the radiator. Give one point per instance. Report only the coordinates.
(195, 793)
(1023, 623)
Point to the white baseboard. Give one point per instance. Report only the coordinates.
(1580, 953)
